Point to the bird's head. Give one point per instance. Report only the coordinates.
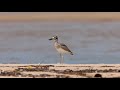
(54, 38)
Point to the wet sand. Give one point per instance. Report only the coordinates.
(59, 70)
(59, 16)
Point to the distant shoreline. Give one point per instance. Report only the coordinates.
(60, 16)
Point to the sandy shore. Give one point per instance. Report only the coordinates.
(59, 16)
(59, 70)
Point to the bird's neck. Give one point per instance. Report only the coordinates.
(56, 41)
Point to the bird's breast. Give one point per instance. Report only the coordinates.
(57, 45)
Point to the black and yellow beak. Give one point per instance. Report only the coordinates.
(50, 39)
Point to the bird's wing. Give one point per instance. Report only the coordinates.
(63, 46)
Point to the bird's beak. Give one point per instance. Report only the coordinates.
(50, 39)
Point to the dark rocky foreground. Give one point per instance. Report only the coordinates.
(60, 71)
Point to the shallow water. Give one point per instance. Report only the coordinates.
(91, 42)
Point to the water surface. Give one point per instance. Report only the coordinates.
(91, 42)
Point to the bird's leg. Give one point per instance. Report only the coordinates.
(60, 58)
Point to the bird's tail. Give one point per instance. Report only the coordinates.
(71, 53)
